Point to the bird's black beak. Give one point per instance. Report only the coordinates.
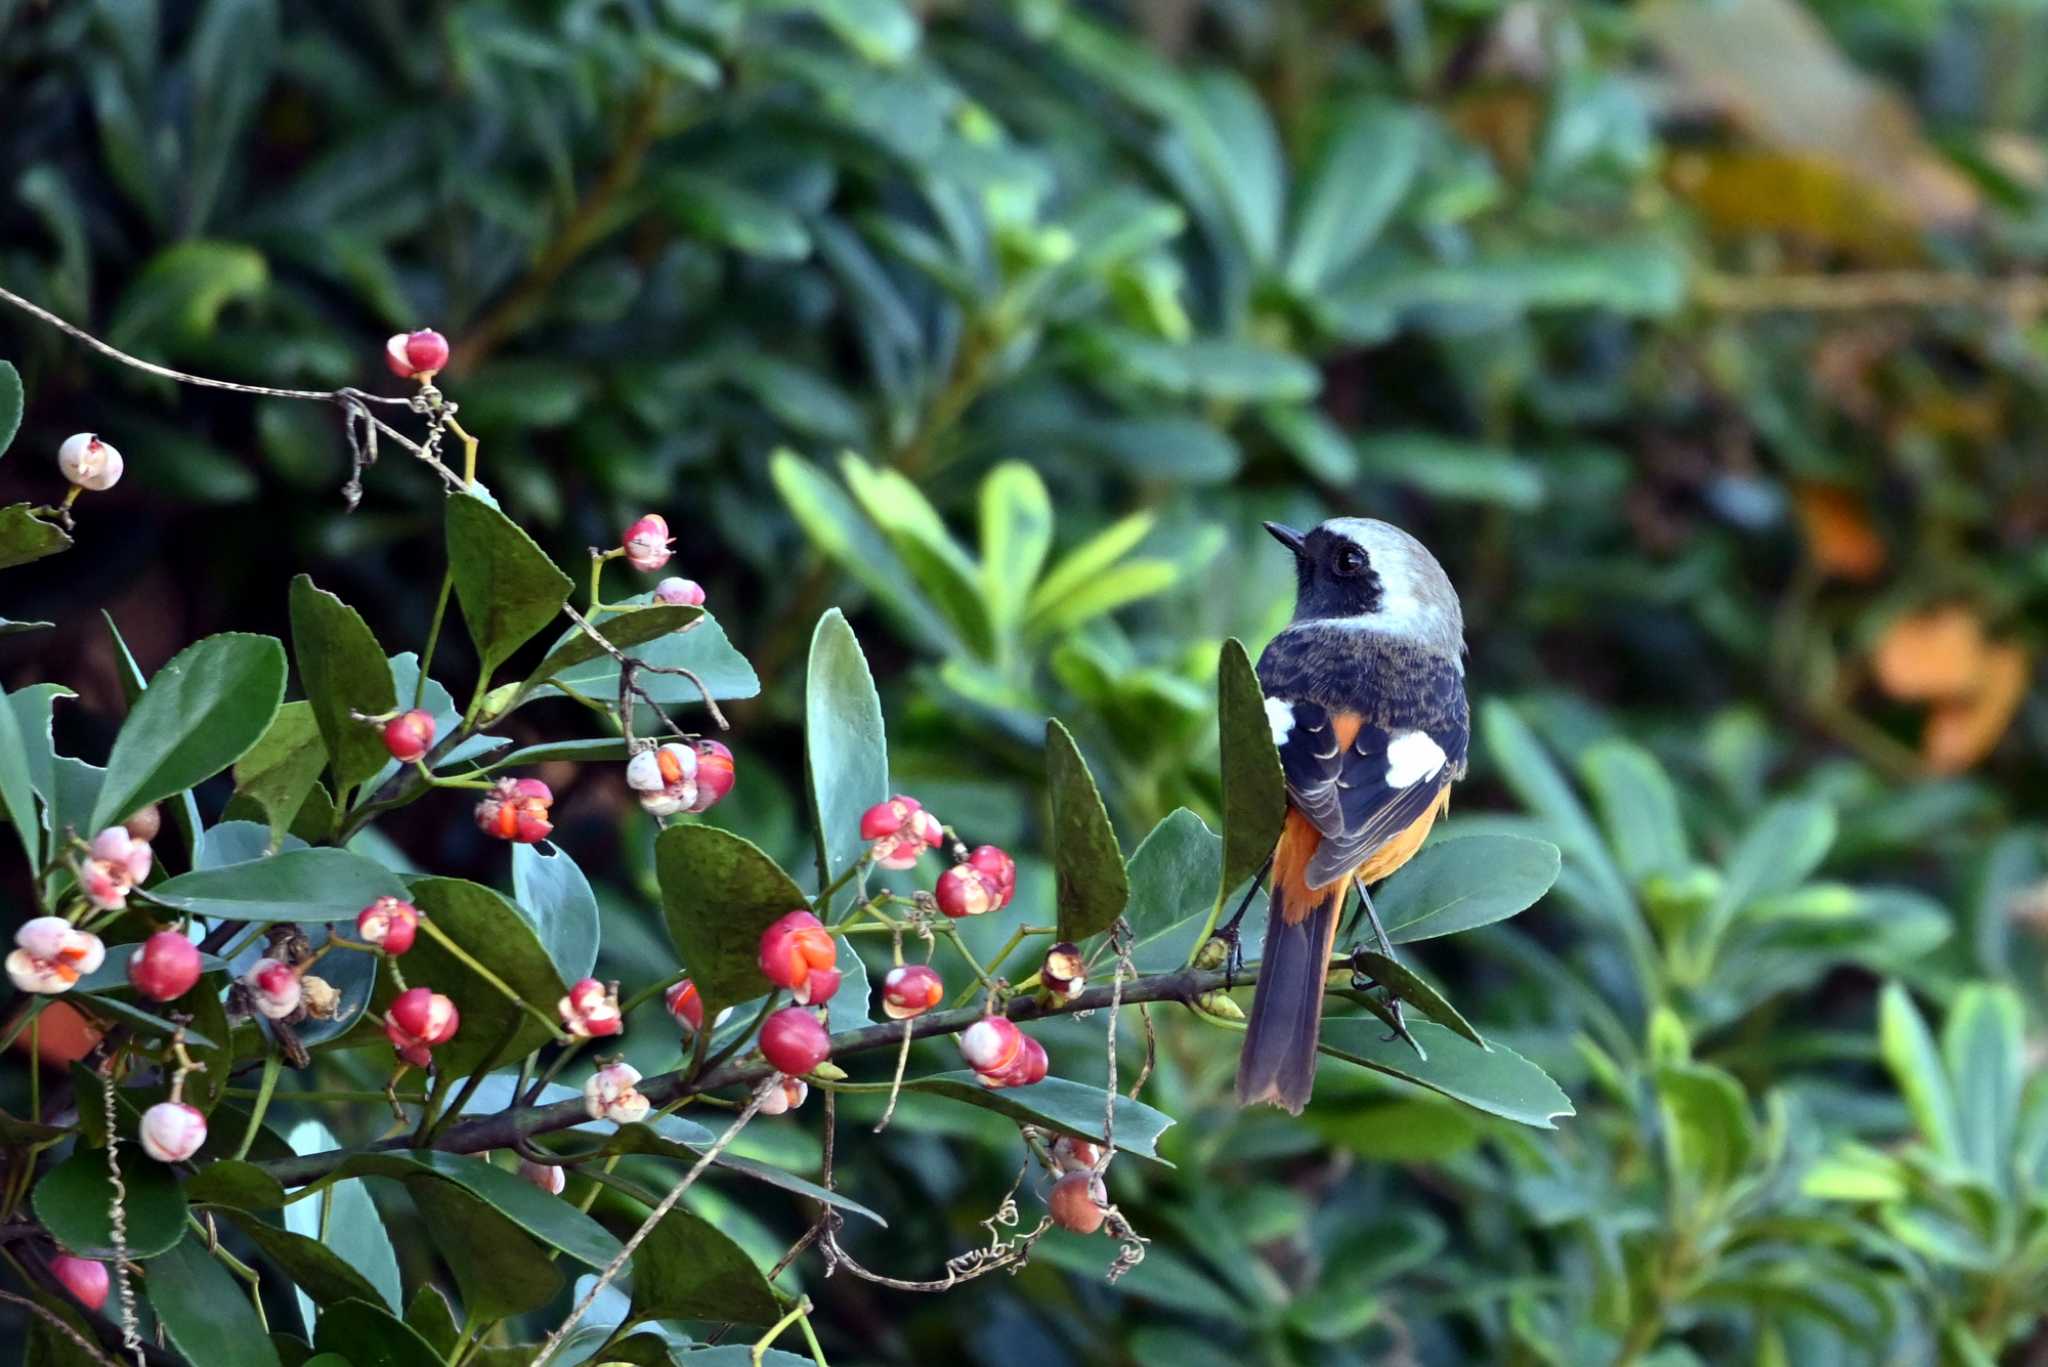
(1286, 536)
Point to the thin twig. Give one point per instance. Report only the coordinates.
(52, 1317)
(626, 662)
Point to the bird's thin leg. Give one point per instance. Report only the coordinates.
(1228, 931)
(1386, 947)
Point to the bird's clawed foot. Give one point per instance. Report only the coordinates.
(1362, 981)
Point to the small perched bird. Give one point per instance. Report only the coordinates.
(1365, 690)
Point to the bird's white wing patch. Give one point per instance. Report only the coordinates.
(1412, 757)
(1280, 716)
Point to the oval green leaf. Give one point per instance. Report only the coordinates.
(718, 893)
(1092, 889)
(205, 1311)
(297, 885)
(343, 671)
(1498, 1081)
(846, 755)
(1254, 786)
(508, 588)
(73, 1198)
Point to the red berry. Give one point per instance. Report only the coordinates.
(172, 1131)
(793, 946)
(276, 988)
(164, 967)
(1072, 1155)
(1078, 1202)
(388, 923)
(516, 809)
(964, 890)
(409, 735)
(591, 1010)
(794, 1041)
(647, 543)
(998, 867)
(416, 355)
(423, 1012)
(85, 1279)
(887, 818)
(685, 1005)
(817, 987)
(679, 592)
(714, 774)
(911, 990)
(991, 1044)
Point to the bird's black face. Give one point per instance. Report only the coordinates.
(1334, 577)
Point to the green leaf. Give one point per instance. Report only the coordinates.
(846, 753)
(201, 713)
(924, 544)
(508, 588)
(1318, 444)
(11, 402)
(884, 32)
(370, 1336)
(1707, 1130)
(1173, 889)
(550, 1219)
(1254, 786)
(623, 629)
(279, 771)
(1909, 1052)
(496, 935)
(1460, 884)
(703, 650)
(1528, 770)
(1091, 887)
(690, 1269)
(1984, 1044)
(837, 528)
(296, 885)
(176, 299)
(1778, 853)
(314, 1268)
(1445, 468)
(1639, 808)
(1206, 368)
(205, 1311)
(718, 893)
(430, 1315)
(734, 216)
(151, 1023)
(1411, 988)
(1087, 561)
(1235, 140)
(343, 670)
(13, 628)
(73, 1199)
(1498, 1081)
(17, 785)
(1016, 537)
(1070, 1107)
(236, 1184)
(1360, 174)
(1124, 584)
(498, 1270)
(34, 709)
(25, 537)
(343, 1217)
(669, 1141)
(557, 901)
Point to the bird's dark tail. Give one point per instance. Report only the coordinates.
(1279, 1060)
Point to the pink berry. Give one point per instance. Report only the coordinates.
(1072, 1155)
(679, 592)
(685, 1004)
(991, 1044)
(613, 1093)
(89, 462)
(416, 355)
(1064, 971)
(591, 1010)
(817, 987)
(1078, 1202)
(998, 867)
(52, 955)
(410, 735)
(911, 990)
(388, 923)
(85, 1279)
(164, 967)
(172, 1131)
(417, 1020)
(275, 987)
(647, 543)
(793, 1041)
(549, 1177)
(794, 946)
(714, 774)
(787, 1095)
(887, 818)
(516, 809)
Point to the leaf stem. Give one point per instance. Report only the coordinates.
(419, 687)
(272, 1065)
(469, 961)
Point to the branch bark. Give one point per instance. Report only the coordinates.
(502, 1129)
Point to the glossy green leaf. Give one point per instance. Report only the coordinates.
(1462, 883)
(1091, 886)
(703, 650)
(1534, 777)
(1069, 1107)
(25, 537)
(1016, 537)
(1707, 1129)
(1359, 176)
(1254, 787)
(295, 885)
(72, 1201)
(1638, 807)
(688, 1268)
(176, 299)
(204, 1310)
(1087, 562)
(685, 1140)
(1173, 877)
(279, 771)
(344, 1218)
(236, 1184)
(1235, 140)
(1984, 1045)
(508, 588)
(1130, 581)
(17, 785)
(317, 1270)
(1418, 993)
(344, 672)
(557, 901)
(624, 630)
(921, 539)
(370, 1336)
(718, 893)
(9, 627)
(550, 1219)
(846, 753)
(201, 712)
(495, 934)
(498, 1270)
(11, 401)
(837, 528)
(882, 31)
(430, 1316)
(1497, 1080)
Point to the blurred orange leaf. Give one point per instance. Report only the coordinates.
(1839, 534)
(1962, 731)
(1930, 656)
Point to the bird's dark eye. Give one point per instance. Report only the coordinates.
(1350, 563)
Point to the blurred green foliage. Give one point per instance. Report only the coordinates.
(1700, 341)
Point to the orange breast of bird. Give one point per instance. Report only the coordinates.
(1299, 840)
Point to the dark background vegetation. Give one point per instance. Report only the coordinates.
(1701, 341)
